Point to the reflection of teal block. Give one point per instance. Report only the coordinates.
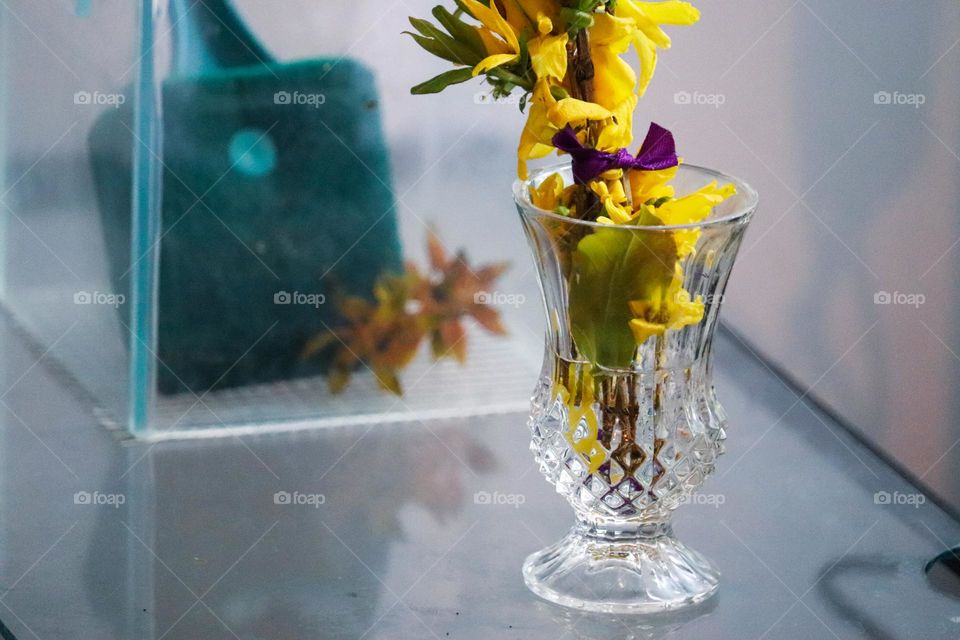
(292, 168)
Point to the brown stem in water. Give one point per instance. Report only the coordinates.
(659, 373)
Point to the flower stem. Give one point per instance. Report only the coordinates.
(512, 78)
(659, 374)
(580, 64)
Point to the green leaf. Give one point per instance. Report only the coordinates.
(611, 267)
(442, 81)
(454, 51)
(524, 41)
(435, 48)
(458, 29)
(510, 78)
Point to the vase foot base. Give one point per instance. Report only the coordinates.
(620, 575)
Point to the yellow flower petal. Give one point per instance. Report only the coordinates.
(695, 207)
(571, 110)
(667, 308)
(490, 18)
(544, 25)
(651, 185)
(648, 36)
(647, 52)
(548, 57)
(614, 80)
(691, 209)
(496, 60)
(491, 43)
(614, 200)
(643, 329)
(613, 174)
(618, 133)
(548, 195)
(670, 12)
(524, 13)
(538, 131)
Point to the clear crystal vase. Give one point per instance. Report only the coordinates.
(627, 441)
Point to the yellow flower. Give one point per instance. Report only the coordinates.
(537, 133)
(549, 194)
(523, 13)
(547, 116)
(666, 309)
(548, 56)
(672, 307)
(573, 111)
(614, 200)
(648, 36)
(691, 209)
(618, 132)
(651, 185)
(614, 81)
(498, 37)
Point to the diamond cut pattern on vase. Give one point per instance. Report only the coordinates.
(630, 456)
(669, 458)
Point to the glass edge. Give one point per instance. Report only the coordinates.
(743, 215)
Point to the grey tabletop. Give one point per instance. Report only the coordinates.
(418, 530)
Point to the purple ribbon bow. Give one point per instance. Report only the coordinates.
(657, 152)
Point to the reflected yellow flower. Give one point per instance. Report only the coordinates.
(586, 443)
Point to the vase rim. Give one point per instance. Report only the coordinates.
(743, 213)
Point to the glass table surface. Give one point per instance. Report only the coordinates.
(418, 530)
